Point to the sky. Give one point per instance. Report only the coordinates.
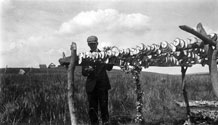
(37, 32)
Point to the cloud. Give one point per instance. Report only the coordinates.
(104, 44)
(16, 45)
(210, 30)
(108, 20)
(6, 4)
(32, 52)
(110, 0)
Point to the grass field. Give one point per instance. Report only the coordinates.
(39, 96)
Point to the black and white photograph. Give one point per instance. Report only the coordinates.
(109, 62)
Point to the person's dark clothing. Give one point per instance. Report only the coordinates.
(97, 86)
(98, 97)
(97, 78)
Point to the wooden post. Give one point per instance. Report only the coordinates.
(212, 56)
(70, 87)
(185, 95)
(211, 53)
(139, 103)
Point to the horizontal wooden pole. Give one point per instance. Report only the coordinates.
(151, 62)
(205, 39)
(66, 60)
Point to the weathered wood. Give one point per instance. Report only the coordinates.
(212, 62)
(66, 61)
(211, 50)
(70, 87)
(198, 34)
(204, 111)
(185, 95)
(139, 93)
(192, 103)
(213, 70)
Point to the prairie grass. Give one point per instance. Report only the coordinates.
(40, 97)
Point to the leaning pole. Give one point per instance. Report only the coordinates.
(70, 85)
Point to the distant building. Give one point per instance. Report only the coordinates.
(52, 65)
(42, 66)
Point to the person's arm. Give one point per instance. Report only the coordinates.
(109, 67)
(86, 70)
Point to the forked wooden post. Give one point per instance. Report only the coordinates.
(185, 95)
(209, 43)
(70, 86)
(211, 53)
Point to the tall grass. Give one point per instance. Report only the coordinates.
(33, 98)
(41, 97)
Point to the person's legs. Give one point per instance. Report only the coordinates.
(103, 100)
(93, 107)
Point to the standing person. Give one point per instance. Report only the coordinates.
(97, 86)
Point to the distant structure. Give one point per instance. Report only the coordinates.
(52, 65)
(21, 72)
(42, 66)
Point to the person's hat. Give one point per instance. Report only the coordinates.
(92, 39)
